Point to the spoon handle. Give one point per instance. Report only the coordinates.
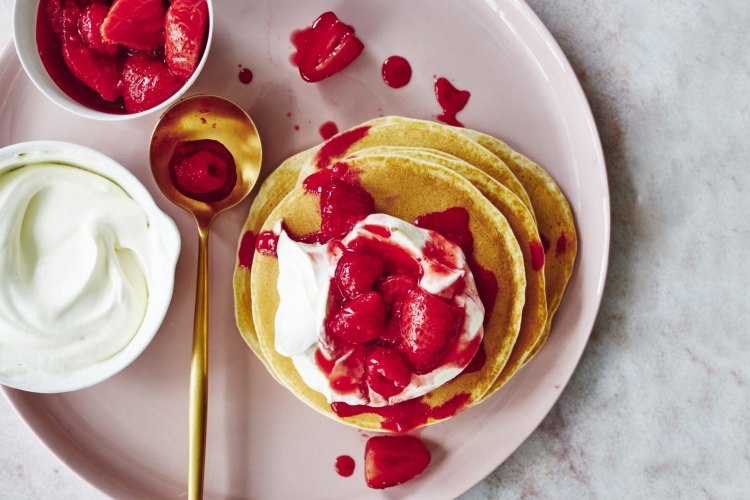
(199, 375)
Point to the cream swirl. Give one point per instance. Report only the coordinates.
(75, 253)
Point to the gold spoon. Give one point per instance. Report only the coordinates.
(198, 118)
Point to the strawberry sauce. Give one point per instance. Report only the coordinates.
(247, 250)
(245, 76)
(338, 145)
(396, 72)
(266, 243)
(344, 465)
(328, 130)
(537, 255)
(203, 170)
(451, 100)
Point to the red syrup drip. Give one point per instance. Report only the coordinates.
(537, 255)
(325, 48)
(203, 170)
(314, 183)
(266, 243)
(478, 361)
(402, 417)
(247, 250)
(328, 130)
(338, 145)
(344, 465)
(396, 72)
(562, 244)
(451, 100)
(50, 52)
(245, 76)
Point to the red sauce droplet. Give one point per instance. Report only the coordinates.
(266, 243)
(203, 170)
(247, 250)
(396, 72)
(537, 255)
(296, 128)
(478, 361)
(246, 76)
(325, 48)
(344, 465)
(338, 145)
(451, 100)
(562, 244)
(328, 130)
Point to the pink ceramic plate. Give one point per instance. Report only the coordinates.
(128, 436)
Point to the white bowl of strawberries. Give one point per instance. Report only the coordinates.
(113, 59)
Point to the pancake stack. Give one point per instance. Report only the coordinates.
(522, 226)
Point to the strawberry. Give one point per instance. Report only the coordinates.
(53, 12)
(90, 27)
(147, 82)
(387, 372)
(428, 325)
(326, 48)
(342, 205)
(99, 72)
(136, 24)
(394, 289)
(360, 320)
(393, 460)
(184, 29)
(356, 272)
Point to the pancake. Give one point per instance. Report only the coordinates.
(399, 131)
(553, 215)
(272, 191)
(390, 181)
(522, 224)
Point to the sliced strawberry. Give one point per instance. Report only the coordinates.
(342, 205)
(394, 289)
(387, 372)
(326, 48)
(356, 272)
(99, 72)
(184, 30)
(147, 82)
(393, 460)
(428, 325)
(136, 24)
(53, 12)
(90, 27)
(360, 320)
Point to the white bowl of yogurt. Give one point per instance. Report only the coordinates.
(88, 263)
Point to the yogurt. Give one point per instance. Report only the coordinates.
(77, 255)
(305, 273)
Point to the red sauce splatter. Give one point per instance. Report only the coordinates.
(296, 127)
(328, 130)
(344, 465)
(537, 255)
(478, 361)
(266, 243)
(402, 417)
(203, 170)
(338, 145)
(247, 250)
(451, 100)
(562, 244)
(396, 72)
(246, 76)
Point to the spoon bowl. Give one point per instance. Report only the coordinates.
(194, 142)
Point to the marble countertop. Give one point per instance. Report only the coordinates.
(659, 404)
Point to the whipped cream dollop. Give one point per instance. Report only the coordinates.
(75, 255)
(305, 273)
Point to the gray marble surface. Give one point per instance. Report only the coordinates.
(659, 406)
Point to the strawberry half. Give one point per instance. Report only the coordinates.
(342, 205)
(356, 272)
(147, 82)
(184, 30)
(136, 24)
(393, 460)
(360, 320)
(90, 27)
(99, 72)
(326, 48)
(428, 325)
(387, 372)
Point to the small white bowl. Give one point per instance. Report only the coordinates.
(160, 286)
(24, 37)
